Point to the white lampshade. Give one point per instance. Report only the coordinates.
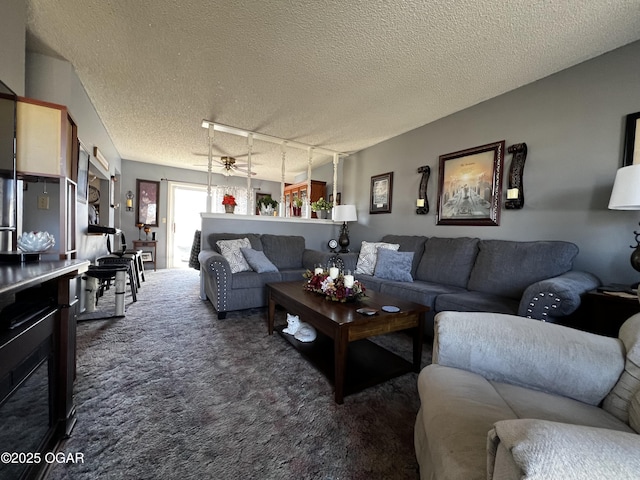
(626, 189)
(344, 213)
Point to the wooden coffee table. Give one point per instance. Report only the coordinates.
(343, 353)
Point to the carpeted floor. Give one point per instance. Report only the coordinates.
(171, 392)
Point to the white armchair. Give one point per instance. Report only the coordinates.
(510, 397)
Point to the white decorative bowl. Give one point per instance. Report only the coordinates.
(36, 241)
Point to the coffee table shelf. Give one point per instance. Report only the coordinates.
(368, 364)
(356, 362)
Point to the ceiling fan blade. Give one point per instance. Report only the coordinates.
(242, 170)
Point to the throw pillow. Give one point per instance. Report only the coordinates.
(258, 261)
(369, 253)
(230, 249)
(392, 265)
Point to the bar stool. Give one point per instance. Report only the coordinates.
(125, 260)
(95, 278)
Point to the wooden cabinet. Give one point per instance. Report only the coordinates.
(299, 190)
(46, 139)
(47, 150)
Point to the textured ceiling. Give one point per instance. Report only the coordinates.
(343, 75)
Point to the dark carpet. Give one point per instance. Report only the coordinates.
(172, 392)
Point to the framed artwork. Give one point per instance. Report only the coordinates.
(83, 173)
(146, 256)
(470, 186)
(381, 193)
(338, 198)
(148, 195)
(631, 153)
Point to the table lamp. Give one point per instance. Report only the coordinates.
(626, 196)
(344, 214)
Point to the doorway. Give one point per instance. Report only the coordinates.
(186, 203)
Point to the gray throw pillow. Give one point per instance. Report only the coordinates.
(392, 265)
(258, 261)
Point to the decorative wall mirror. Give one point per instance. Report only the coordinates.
(148, 195)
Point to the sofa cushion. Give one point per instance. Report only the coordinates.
(424, 293)
(253, 279)
(372, 283)
(258, 261)
(230, 250)
(393, 265)
(507, 268)
(476, 302)
(366, 264)
(628, 386)
(213, 238)
(285, 251)
(448, 260)
(408, 243)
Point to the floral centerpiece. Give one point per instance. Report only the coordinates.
(229, 202)
(333, 289)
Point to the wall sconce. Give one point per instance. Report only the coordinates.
(422, 203)
(129, 203)
(515, 192)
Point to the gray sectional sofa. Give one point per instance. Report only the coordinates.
(530, 279)
(237, 291)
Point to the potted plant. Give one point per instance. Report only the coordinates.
(297, 207)
(320, 207)
(229, 202)
(267, 205)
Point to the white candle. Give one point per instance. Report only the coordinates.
(420, 202)
(318, 271)
(333, 272)
(348, 281)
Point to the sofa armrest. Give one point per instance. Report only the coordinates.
(216, 266)
(556, 297)
(529, 353)
(528, 449)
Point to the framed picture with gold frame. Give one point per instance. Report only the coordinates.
(470, 186)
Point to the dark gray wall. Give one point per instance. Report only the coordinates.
(572, 123)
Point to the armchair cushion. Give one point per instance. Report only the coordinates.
(507, 268)
(618, 401)
(541, 449)
(528, 353)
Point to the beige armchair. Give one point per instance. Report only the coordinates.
(510, 397)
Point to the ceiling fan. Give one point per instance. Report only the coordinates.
(229, 165)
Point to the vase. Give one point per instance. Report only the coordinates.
(297, 211)
(229, 208)
(321, 214)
